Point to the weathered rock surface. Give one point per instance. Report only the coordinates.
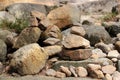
(80, 54)
(64, 16)
(27, 36)
(29, 59)
(37, 77)
(104, 47)
(75, 41)
(82, 63)
(6, 16)
(52, 50)
(51, 41)
(22, 10)
(4, 34)
(96, 34)
(3, 50)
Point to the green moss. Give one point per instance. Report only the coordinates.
(17, 26)
(109, 16)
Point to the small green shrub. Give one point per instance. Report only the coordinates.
(109, 16)
(17, 26)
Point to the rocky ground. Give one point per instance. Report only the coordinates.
(72, 40)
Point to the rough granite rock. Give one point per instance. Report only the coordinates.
(27, 36)
(29, 59)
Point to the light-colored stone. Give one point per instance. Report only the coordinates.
(94, 67)
(113, 54)
(27, 36)
(108, 77)
(116, 75)
(51, 41)
(72, 69)
(60, 74)
(98, 52)
(64, 16)
(109, 69)
(3, 50)
(52, 50)
(50, 72)
(66, 70)
(75, 41)
(29, 59)
(114, 59)
(81, 72)
(78, 30)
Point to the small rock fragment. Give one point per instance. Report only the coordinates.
(51, 72)
(65, 70)
(81, 72)
(60, 74)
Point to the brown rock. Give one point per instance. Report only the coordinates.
(75, 41)
(38, 15)
(64, 16)
(66, 70)
(29, 59)
(50, 72)
(94, 67)
(117, 45)
(79, 54)
(33, 22)
(109, 69)
(27, 36)
(60, 74)
(78, 30)
(52, 31)
(81, 71)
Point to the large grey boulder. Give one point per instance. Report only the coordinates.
(3, 50)
(96, 34)
(29, 59)
(22, 10)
